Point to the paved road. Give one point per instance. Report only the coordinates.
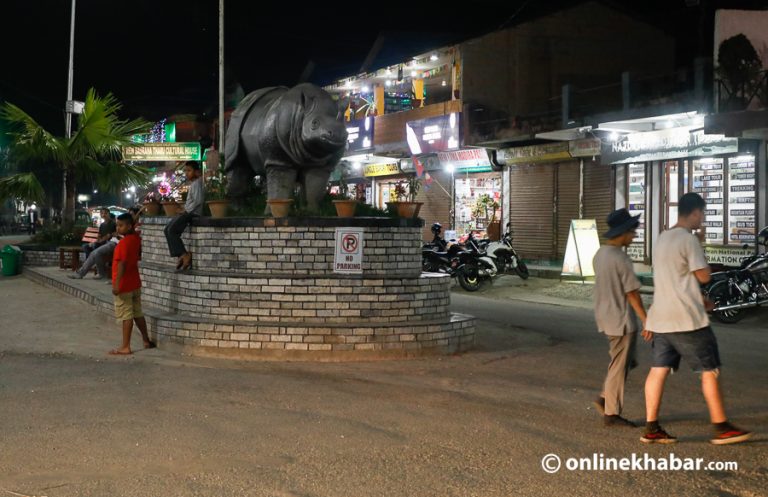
(74, 422)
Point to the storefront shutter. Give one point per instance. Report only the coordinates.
(598, 193)
(567, 201)
(531, 210)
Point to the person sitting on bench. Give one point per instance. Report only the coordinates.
(102, 255)
(107, 229)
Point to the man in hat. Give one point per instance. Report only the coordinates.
(680, 325)
(616, 295)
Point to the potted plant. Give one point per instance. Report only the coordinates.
(345, 206)
(151, 204)
(405, 195)
(280, 207)
(216, 194)
(483, 205)
(168, 199)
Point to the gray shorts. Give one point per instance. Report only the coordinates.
(698, 347)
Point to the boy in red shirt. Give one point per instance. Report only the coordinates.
(126, 285)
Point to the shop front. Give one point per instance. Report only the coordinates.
(548, 186)
(477, 193)
(654, 169)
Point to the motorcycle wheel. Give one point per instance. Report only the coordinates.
(719, 294)
(522, 270)
(469, 280)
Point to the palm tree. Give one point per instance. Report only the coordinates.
(93, 153)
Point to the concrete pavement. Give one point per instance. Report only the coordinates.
(77, 422)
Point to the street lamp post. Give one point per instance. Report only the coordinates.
(68, 119)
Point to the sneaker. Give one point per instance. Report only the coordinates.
(616, 420)
(75, 276)
(599, 404)
(732, 435)
(98, 277)
(658, 437)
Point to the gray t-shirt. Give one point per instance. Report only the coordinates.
(614, 279)
(195, 197)
(677, 302)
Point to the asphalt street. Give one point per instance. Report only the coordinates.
(75, 422)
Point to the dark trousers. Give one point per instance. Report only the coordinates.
(173, 231)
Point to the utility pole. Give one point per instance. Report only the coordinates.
(221, 83)
(69, 109)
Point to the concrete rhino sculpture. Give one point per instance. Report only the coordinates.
(287, 135)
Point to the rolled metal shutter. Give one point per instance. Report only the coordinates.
(567, 202)
(531, 209)
(598, 193)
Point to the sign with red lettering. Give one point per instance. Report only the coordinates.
(348, 253)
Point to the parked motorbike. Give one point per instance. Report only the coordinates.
(735, 291)
(439, 256)
(505, 256)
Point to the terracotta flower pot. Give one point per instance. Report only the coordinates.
(218, 207)
(151, 208)
(405, 209)
(280, 207)
(171, 208)
(345, 208)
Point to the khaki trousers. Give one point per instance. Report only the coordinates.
(622, 352)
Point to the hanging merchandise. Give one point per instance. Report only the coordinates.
(478, 201)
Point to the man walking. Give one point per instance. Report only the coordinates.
(616, 294)
(680, 325)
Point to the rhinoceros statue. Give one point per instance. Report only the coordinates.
(288, 136)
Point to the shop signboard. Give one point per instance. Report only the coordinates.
(348, 251)
(468, 160)
(727, 256)
(370, 170)
(583, 244)
(434, 134)
(548, 152)
(181, 151)
(360, 134)
(588, 147)
(675, 143)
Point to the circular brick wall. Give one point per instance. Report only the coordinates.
(266, 287)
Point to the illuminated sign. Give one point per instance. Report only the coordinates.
(162, 151)
(470, 160)
(667, 144)
(434, 134)
(360, 134)
(380, 170)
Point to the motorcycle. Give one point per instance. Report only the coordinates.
(460, 262)
(505, 256)
(735, 291)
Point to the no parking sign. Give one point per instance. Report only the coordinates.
(348, 254)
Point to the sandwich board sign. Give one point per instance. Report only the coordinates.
(348, 251)
(583, 244)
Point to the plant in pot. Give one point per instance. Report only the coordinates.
(215, 193)
(486, 207)
(168, 199)
(151, 204)
(405, 195)
(345, 206)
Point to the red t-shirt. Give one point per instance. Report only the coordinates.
(128, 251)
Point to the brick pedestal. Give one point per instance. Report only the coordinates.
(266, 287)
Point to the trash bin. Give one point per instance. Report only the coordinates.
(10, 258)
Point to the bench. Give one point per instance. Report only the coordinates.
(69, 256)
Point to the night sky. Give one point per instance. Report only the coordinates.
(160, 57)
